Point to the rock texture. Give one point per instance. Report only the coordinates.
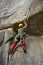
(34, 55)
(12, 11)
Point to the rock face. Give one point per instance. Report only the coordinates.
(2, 35)
(34, 55)
(12, 11)
(36, 24)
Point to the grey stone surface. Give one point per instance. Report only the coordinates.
(2, 35)
(34, 54)
(13, 11)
